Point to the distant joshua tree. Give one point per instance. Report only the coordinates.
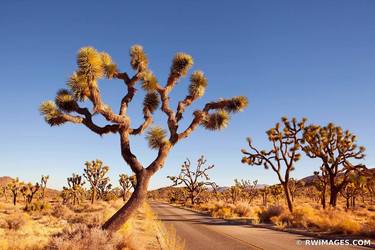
(320, 184)
(104, 188)
(14, 186)
(75, 190)
(95, 174)
(283, 155)
(248, 188)
(126, 185)
(194, 180)
(295, 187)
(28, 191)
(43, 185)
(335, 148)
(84, 84)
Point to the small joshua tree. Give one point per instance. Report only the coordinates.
(248, 189)
(84, 84)
(283, 155)
(75, 190)
(295, 187)
(4, 192)
(276, 191)
(265, 191)
(104, 188)
(320, 183)
(28, 191)
(14, 186)
(95, 173)
(195, 181)
(335, 148)
(126, 185)
(43, 185)
(370, 185)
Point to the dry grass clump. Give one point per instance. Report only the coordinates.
(329, 220)
(61, 211)
(265, 215)
(81, 237)
(15, 221)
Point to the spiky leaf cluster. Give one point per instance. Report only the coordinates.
(149, 81)
(156, 137)
(79, 87)
(138, 58)
(198, 84)
(65, 100)
(109, 67)
(181, 64)
(237, 104)
(217, 120)
(51, 113)
(90, 63)
(151, 101)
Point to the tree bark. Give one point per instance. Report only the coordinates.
(333, 197)
(136, 200)
(288, 196)
(93, 195)
(323, 198)
(14, 199)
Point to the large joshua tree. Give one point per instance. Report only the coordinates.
(95, 174)
(335, 148)
(84, 85)
(283, 155)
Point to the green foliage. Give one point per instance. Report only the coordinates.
(217, 120)
(151, 101)
(181, 64)
(156, 137)
(138, 58)
(198, 84)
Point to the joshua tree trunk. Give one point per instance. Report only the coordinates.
(135, 201)
(323, 198)
(334, 191)
(288, 196)
(93, 195)
(14, 199)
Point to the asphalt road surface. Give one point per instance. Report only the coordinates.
(203, 232)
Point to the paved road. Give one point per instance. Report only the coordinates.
(204, 232)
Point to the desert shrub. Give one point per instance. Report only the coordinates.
(265, 215)
(15, 221)
(81, 237)
(61, 211)
(222, 212)
(243, 209)
(38, 205)
(329, 220)
(371, 208)
(89, 219)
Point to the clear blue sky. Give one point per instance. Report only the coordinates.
(294, 58)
